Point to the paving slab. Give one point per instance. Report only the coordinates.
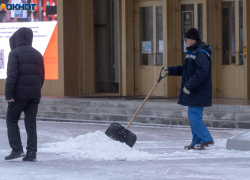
(164, 143)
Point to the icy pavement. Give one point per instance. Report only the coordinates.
(75, 151)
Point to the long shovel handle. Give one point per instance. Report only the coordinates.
(138, 110)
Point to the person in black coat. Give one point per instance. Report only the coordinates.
(25, 78)
(196, 86)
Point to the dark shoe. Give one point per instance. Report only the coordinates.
(30, 156)
(14, 155)
(202, 146)
(188, 147)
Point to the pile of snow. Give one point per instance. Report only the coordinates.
(245, 136)
(96, 146)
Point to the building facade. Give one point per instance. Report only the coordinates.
(118, 47)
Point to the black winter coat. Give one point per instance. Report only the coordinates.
(25, 69)
(196, 76)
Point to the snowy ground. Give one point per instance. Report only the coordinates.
(72, 151)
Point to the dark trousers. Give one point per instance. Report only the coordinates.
(29, 107)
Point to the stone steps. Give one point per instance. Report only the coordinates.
(131, 111)
(109, 118)
(153, 112)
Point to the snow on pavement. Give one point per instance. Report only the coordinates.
(98, 146)
(75, 151)
(95, 146)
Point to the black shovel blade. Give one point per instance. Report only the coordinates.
(118, 133)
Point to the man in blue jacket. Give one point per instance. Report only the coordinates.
(196, 87)
(25, 78)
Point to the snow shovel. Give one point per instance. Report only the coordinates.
(118, 133)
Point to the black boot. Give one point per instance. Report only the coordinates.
(30, 156)
(14, 155)
(190, 147)
(202, 146)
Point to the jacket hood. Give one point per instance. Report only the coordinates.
(22, 36)
(12, 42)
(202, 45)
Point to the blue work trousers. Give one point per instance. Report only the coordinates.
(199, 129)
